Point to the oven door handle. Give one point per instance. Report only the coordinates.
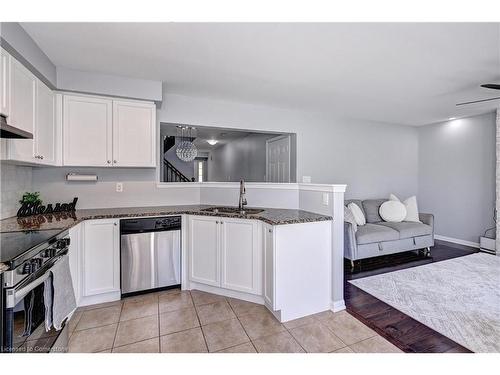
(13, 296)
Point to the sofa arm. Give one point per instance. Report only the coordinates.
(427, 219)
(350, 246)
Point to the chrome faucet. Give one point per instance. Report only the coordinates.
(243, 200)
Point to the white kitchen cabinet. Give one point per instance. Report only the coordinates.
(22, 111)
(225, 253)
(4, 83)
(204, 250)
(269, 261)
(45, 125)
(240, 255)
(75, 259)
(101, 258)
(87, 131)
(101, 132)
(134, 134)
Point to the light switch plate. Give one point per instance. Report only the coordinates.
(119, 187)
(325, 199)
(306, 179)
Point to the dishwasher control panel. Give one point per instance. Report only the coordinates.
(150, 224)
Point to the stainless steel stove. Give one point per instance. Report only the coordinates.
(28, 257)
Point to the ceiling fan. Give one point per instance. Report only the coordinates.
(493, 86)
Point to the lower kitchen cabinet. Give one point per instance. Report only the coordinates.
(204, 252)
(226, 253)
(241, 268)
(100, 260)
(269, 261)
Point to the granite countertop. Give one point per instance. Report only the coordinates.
(66, 220)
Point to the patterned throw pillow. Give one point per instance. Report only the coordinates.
(349, 218)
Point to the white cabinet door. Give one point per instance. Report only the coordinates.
(204, 256)
(22, 110)
(240, 255)
(134, 134)
(101, 257)
(75, 257)
(45, 125)
(269, 289)
(87, 131)
(4, 83)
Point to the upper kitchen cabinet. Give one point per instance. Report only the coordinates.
(87, 131)
(29, 105)
(45, 135)
(21, 98)
(134, 134)
(101, 132)
(4, 83)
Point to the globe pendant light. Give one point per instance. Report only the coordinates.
(186, 150)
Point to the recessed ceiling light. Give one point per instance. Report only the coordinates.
(212, 142)
(452, 118)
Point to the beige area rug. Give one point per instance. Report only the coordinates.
(459, 298)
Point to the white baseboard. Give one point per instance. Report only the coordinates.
(457, 241)
(338, 305)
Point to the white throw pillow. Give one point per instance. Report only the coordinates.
(392, 211)
(411, 208)
(359, 216)
(349, 217)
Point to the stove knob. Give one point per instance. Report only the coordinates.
(35, 264)
(27, 268)
(49, 253)
(62, 243)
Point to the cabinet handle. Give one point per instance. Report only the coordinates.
(222, 222)
(115, 224)
(216, 222)
(115, 162)
(270, 231)
(41, 156)
(109, 161)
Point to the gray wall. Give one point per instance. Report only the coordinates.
(23, 48)
(374, 159)
(106, 84)
(457, 175)
(242, 158)
(14, 182)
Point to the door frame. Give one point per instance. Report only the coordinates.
(288, 136)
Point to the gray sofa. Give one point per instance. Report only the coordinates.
(378, 237)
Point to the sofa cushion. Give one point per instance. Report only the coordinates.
(371, 208)
(358, 202)
(409, 229)
(369, 233)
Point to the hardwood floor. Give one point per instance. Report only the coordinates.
(403, 331)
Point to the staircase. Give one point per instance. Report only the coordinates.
(170, 173)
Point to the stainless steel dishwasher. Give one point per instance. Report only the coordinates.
(150, 254)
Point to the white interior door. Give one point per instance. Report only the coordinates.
(278, 159)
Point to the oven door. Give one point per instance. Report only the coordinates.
(24, 318)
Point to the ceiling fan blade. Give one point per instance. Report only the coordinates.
(479, 101)
(493, 86)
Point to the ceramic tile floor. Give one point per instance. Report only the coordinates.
(177, 321)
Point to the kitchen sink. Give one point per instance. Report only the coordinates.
(232, 210)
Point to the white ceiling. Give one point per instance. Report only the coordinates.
(409, 74)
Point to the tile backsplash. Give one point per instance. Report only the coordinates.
(14, 181)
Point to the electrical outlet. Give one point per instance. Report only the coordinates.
(119, 187)
(325, 199)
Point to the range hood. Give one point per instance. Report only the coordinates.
(8, 131)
